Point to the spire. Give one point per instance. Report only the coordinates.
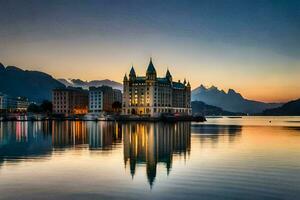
(125, 77)
(132, 73)
(151, 68)
(188, 84)
(168, 74)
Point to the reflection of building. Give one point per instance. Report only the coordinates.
(69, 133)
(95, 135)
(151, 95)
(104, 134)
(211, 134)
(150, 144)
(70, 101)
(24, 140)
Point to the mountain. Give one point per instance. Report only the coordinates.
(87, 84)
(36, 86)
(230, 101)
(291, 108)
(199, 107)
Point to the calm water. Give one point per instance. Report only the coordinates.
(241, 158)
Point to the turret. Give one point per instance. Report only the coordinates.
(132, 74)
(188, 85)
(125, 78)
(151, 72)
(169, 76)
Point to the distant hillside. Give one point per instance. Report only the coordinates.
(202, 108)
(86, 84)
(34, 85)
(231, 101)
(290, 108)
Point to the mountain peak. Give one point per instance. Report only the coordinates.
(2, 67)
(13, 68)
(213, 88)
(231, 91)
(231, 101)
(36, 86)
(87, 84)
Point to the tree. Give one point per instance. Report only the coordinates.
(33, 108)
(46, 106)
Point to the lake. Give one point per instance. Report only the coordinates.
(223, 158)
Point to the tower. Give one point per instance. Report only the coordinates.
(151, 72)
(132, 74)
(169, 76)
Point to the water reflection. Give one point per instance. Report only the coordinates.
(213, 133)
(103, 136)
(207, 160)
(144, 144)
(150, 144)
(22, 140)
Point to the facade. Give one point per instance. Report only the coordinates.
(69, 101)
(109, 96)
(95, 100)
(151, 95)
(11, 104)
(3, 101)
(22, 104)
(117, 95)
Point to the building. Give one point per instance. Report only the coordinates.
(12, 104)
(117, 95)
(95, 100)
(70, 101)
(108, 97)
(22, 104)
(151, 95)
(3, 102)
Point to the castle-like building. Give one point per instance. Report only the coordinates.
(151, 95)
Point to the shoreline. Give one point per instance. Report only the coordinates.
(117, 118)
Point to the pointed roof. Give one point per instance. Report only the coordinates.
(125, 77)
(151, 68)
(132, 72)
(168, 74)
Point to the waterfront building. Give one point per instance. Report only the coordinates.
(108, 97)
(3, 102)
(22, 104)
(95, 100)
(117, 95)
(69, 101)
(12, 104)
(151, 95)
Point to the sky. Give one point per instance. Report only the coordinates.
(251, 46)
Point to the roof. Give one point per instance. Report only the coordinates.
(140, 79)
(163, 80)
(177, 85)
(151, 68)
(168, 74)
(132, 71)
